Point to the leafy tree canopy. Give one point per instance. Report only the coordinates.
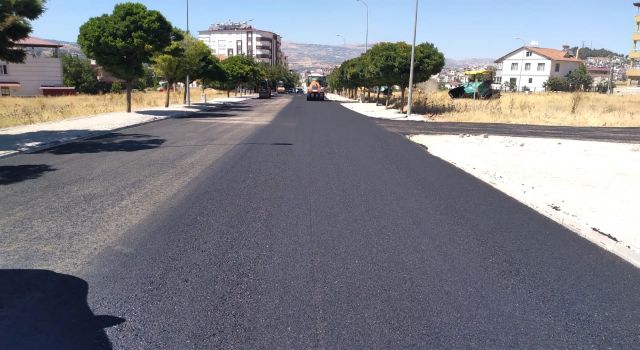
(77, 72)
(126, 39)
(123, 41)
(14, 26)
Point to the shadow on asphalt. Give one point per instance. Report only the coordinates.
(16, 141)
(225, 111)
(10, 174)
(111, 142)
(41, 309)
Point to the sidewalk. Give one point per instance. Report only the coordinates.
(37, 136)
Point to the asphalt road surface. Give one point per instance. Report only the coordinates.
(288, 224)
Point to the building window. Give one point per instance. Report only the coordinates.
(514, 66)
(499, 65)
(541, 67)
(230, 52)
(5, 91)
(3, 69)
(557, 67)
(527, 66)
(239, 50)
(498, 80)
(530, 80)
(528, 54)
(222, 43)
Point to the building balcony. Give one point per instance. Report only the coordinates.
(634, 54)
(633, 73)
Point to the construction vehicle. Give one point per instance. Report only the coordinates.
(264, 89)
(280, 87)
(477, 86)
(315, 87)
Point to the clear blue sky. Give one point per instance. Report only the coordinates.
(460, 28)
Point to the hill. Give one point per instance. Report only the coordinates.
(304, 57)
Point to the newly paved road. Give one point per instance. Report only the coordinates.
(607, 134)
(288, 224)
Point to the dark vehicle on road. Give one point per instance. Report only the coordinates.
(264, 89)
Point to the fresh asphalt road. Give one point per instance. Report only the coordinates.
(288, 224)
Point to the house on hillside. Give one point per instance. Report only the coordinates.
(529, 68)
(40, 74)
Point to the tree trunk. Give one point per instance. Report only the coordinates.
(129, 85)
(368, 94)
(184, 94)
(402, 99)
(228, 93)
(166, 99)
(378, 96)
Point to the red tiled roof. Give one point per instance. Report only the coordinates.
(553, 54)
(36, 42)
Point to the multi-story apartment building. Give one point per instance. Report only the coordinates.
(633, 73)
(40, 74)
(230, 39)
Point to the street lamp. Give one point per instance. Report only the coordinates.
(366, 39)
(413, 59)
(524, 44)
(187, 89)
(343, 39)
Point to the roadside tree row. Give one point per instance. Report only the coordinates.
(134, 42)
(386, 65)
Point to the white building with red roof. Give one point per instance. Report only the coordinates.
(40, 74)
(529, 68)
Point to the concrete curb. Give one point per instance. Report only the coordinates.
(90, 135)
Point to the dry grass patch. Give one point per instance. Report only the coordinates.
(570, 109)
(24, 111)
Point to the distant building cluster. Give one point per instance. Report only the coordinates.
(240, 38)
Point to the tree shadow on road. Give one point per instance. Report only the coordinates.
(41, 309)
(10, 174)
(111, 142)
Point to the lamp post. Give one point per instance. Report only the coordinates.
(187, 87)
(344, 41)
(413, 59)
(524, 44)
(366, 39)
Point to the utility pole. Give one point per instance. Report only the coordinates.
(610, 87)
(187, 87)
(413, 59)
(366, 39)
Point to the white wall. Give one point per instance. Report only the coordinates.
(538, 78)
(34, 73)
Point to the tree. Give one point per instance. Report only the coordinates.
(557, 84)
(580, 79)
(77, 72)
(197, 61)
(428, 61)
(123, 41)
(240, 70)
(14, 26)
(170, 64)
